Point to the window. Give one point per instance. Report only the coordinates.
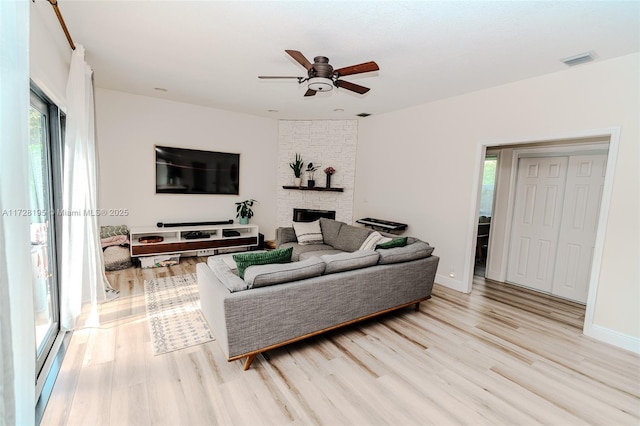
(488, 185)
(46, 126)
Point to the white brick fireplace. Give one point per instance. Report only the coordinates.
(325, 142)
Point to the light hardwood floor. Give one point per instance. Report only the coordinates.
(500, 355)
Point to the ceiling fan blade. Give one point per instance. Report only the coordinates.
(357, 69)
(277, 76)
(352, 86)
(298, 56)
(310, 92)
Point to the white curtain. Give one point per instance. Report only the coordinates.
(17, 329)
(83, 276)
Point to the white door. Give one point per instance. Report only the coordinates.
(537, 216)
(585, 182)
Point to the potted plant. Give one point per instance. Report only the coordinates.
(311, 169)
(244, 211)
(296, 166)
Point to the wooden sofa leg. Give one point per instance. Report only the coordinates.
(417, 307)
(249, 360)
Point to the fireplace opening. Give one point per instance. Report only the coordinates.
(309, 215)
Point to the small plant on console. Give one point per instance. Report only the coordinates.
(244, 211)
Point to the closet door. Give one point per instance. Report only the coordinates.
(536, 223)
(583, 194)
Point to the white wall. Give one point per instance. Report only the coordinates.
(128, 126)
(325, 143)
(49, 53)
(420, 166)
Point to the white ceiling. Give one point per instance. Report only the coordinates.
(211, 52)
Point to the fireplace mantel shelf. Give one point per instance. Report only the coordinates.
(315, 188)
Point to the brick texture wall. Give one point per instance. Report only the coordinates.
(325, 142)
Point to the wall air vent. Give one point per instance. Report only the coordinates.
(578, 59)
(363, 114)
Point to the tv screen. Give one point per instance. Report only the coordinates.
(191, 171)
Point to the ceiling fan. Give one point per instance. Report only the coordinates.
(321, 77)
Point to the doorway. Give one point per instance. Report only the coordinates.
(46, 132)
(42, 232)
(530, 258)
(485, 212)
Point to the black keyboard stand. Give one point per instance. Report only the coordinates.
(384, 225)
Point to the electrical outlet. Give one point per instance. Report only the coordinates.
(206, 252)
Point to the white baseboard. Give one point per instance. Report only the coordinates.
(449, 282)
(612, 337)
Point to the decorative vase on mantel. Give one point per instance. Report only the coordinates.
(297, 182)
(328, 172)
(311, 183)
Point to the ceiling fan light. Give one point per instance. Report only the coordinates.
(320, 84)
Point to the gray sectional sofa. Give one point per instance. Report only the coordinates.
(325, 286)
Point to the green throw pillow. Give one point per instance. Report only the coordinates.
(244, 260)
(396, 242)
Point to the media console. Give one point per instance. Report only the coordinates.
(182, 240)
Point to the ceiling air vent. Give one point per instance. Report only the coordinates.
(363, 114)
(578, 59)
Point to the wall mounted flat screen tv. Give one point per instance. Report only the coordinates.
(192, 171)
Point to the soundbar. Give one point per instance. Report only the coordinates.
(215, 222)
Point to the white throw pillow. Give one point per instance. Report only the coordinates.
(372, 240)
(308, 232)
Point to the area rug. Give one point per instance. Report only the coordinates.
(174, 315)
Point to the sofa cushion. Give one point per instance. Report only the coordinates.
(285, 235)
(350, 238)
(308, 232)
(396, 242)
(407, 253)
(319, 253)
(264, 275)
(347, 261)
(226, 275)
(244, 260)
(330, 230)
(298, 250)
